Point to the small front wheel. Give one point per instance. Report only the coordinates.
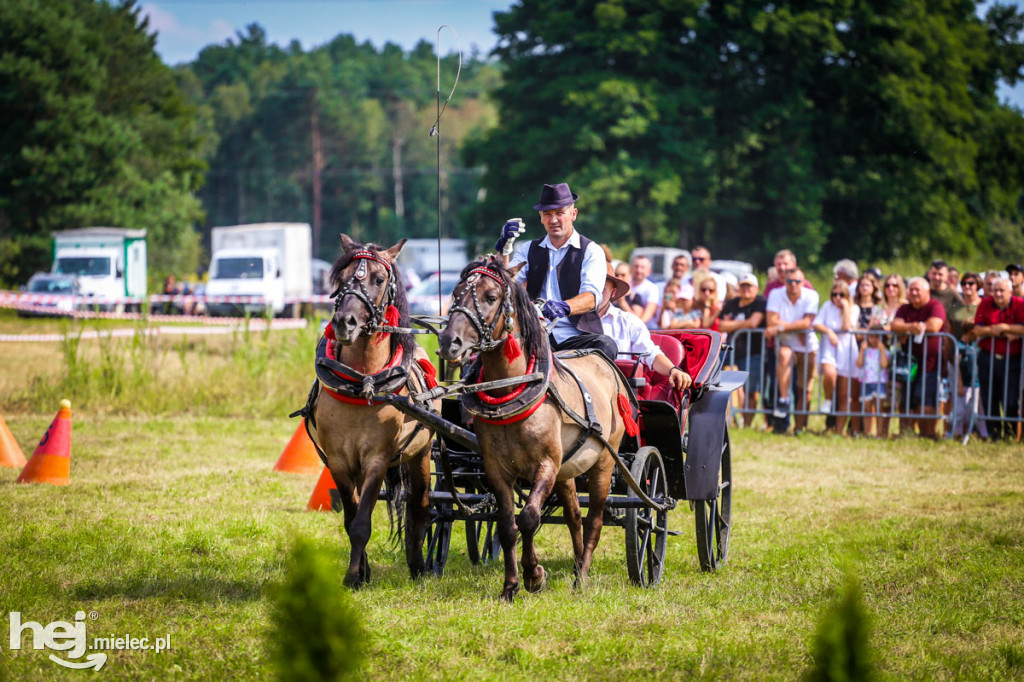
(647, 528)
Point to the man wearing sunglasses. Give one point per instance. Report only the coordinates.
(790, 314)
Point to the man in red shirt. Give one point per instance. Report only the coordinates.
(999, 324)
(920, 316)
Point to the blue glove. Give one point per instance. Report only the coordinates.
(509, 231)
(555, 309)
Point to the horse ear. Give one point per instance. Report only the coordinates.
(346, 242)
(395, 250)
(515, 270)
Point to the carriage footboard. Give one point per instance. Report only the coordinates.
(707, 436)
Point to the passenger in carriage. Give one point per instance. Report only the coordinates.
(564, 268)
(632, 336)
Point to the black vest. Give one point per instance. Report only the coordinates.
(569, 273)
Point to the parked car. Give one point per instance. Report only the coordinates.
(63, 287)
(423, 296)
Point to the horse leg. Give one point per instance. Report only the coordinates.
(508, 534)
(529, 523)
(361, 527)
(600, 479)
(566, 491)
(417, 514)
(349, 507)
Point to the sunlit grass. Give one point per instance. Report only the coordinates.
(175, 524)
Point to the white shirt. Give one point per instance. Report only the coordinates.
(648, 292)
(807, 304)
(591, 277)
(630, 334)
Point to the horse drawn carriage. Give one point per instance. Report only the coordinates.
(510, 442)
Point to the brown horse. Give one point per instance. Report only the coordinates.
(362, 437)
(491, 314)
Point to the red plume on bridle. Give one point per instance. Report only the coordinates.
(511, 350)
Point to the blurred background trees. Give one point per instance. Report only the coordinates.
(848, 128)
(94, 131)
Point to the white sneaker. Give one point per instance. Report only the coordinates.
(826, 406)
(781, 410)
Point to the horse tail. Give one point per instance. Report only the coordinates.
(396, 485)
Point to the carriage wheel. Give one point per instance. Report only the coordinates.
(647, 528)
(482, 543)
(714, 517)
(439, 536)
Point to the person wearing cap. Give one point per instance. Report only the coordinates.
(631, 335)
(746, 312)
(1016, 273)
(563, 268)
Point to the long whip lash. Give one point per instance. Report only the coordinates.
(435, 131)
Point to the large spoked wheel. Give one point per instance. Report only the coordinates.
(439, 536)
(714, 517)
(482, 543)
(647, 528)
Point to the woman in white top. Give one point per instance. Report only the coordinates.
(838, 353)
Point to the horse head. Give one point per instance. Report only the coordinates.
(488, 308)
(367, 290)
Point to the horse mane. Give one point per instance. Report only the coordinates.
(400, 302)
(534, 339)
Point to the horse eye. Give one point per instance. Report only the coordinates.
(379, 280)
(491, 298)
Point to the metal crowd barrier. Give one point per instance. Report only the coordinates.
(968, 391)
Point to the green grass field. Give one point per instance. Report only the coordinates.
(175, 524)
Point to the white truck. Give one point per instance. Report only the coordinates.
(267, 261)
(420, 256)
(110, 263)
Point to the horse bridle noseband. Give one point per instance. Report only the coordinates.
(348, 288)
(485, 329)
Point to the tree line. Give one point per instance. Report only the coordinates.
(848, 128)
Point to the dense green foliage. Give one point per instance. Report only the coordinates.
(318, 634)
(354, 116)
(856, 128)
(838, 128)
(93, 131)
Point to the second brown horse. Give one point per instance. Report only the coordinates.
(492, 315)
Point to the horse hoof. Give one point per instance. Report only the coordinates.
(509, 593)
(538, 584)
(353, 581)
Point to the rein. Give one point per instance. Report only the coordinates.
(484, 329)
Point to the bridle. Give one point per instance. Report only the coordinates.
(484, 329)
(354, 286)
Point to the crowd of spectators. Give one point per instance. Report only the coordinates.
(854, 342)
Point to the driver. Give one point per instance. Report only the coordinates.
(564, 268)
(631, 334)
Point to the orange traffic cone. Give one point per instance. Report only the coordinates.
(325, 495)
(299, 456)
(10, 453)
(51, 462)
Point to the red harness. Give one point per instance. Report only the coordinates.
(395, 360)
(500, 400)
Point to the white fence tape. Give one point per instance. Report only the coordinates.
(256, 325)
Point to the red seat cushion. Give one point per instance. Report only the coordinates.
(658, 385)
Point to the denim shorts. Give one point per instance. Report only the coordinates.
(869, 392)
